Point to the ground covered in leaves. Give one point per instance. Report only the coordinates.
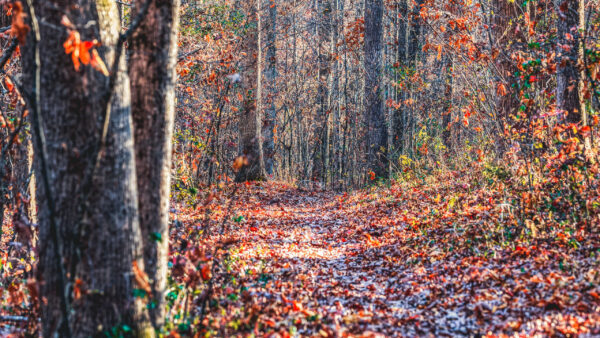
(428, 259)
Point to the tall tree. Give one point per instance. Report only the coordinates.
(569, 56)
(152, 63)
(271, 77)
(501, 19)
(250, 121)
(447, 103)
(321, 156)
(402, 30)
(88, 210)
(375, 117)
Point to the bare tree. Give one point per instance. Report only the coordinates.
(375, 118)
(271, 78)
(321, 154)
(569, 57)
(250, 122)
(152, 63)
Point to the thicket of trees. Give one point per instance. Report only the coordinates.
(364, 89)
(111, 109)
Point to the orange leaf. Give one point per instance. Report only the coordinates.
(9, 85)
(141, 278)
(72, 42)
(205, 270)
(84, 55)
(585, 131)
(77, 288)
(501, 90)
(98, 64)
(19, 28)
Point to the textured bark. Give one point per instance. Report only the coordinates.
(271, 86)
(503, 21)
(414, 34)
(152, 72)
(502, 16)
(98, 230)
(250, 122)
(401, 37)
(376, 124)
(568, 77)
(324, 63)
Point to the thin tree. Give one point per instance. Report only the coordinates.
(271, 85)
(250, 120)
(152, 63)
(375, 117)
(569, 57)
(321, 155)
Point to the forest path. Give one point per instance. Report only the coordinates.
(390, 262)
(326, 255)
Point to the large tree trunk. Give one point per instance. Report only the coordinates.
(250, 122)
(376, 124)
(152, 63)
(271, 77)
(88, 223)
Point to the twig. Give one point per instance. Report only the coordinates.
(182, 56)
(8, 53)
(12, 136)
(13, 319)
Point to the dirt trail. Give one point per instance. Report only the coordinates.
(315, 263)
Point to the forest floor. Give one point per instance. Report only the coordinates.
(437, 258)
(430, 259)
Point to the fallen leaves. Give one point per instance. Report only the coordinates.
(392, 262)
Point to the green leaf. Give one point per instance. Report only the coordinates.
(156, 236)
(139, 293)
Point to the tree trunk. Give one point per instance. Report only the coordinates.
(323, 59)
(501, 34)
(567, 75)
(376, 124)
(447, 106)
(570, 72)
(152, 63)
(250, 122)
(271, 77)
(88, 220)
